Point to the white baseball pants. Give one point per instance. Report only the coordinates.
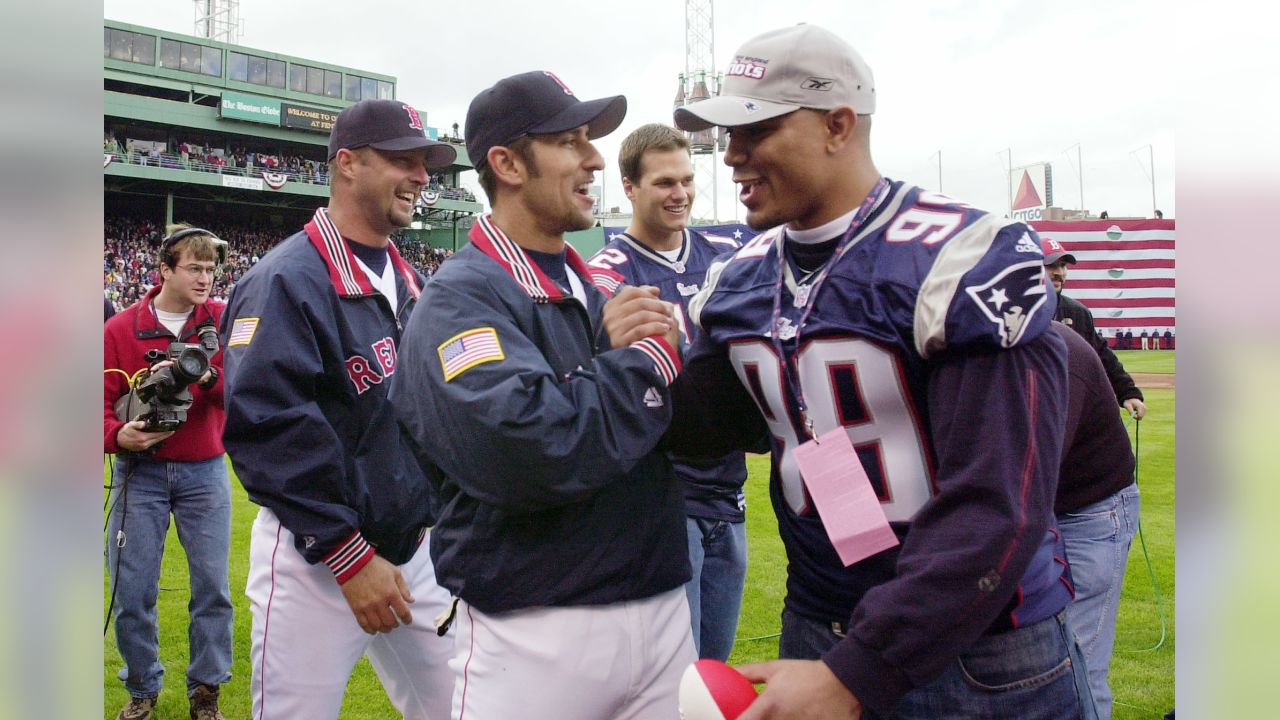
(597, 662)
(306, 641)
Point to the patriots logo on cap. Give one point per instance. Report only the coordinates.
(752, 68)
(750, 106)
(1010, 299)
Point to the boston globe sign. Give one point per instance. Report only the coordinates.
(1032, 188)
(254, 108)
(251, 108)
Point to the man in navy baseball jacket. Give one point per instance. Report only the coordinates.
(311, 335)
(542, 402)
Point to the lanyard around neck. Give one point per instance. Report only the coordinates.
(806, 295)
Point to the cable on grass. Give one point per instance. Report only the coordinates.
(1151, 572)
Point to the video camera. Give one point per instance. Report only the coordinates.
(163, 398)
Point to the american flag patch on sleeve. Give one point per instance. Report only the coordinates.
(469, 349)
(242, 331)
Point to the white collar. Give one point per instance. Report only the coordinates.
(823, 232)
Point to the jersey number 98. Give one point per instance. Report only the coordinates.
(849, 383)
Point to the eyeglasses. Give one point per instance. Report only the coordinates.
(196, 271)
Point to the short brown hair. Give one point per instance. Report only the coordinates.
(521, 146)
(201, 244)
(654, 136)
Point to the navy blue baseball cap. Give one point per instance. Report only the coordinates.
(387, 125)
(534, 103)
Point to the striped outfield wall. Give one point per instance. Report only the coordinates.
(1127, 281)
(1124, 271)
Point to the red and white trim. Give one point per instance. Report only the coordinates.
(666, 361)
(350, 557)
(491, 241)
(347, 278)
(606, 281)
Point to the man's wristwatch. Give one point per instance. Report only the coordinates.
(213, 379)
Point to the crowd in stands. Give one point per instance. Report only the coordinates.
(437, 185)
(207, 158)
(131, 248)
(423, 256)
(237, 160)
(129, 259)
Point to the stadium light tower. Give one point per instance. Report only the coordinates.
(218, 20)
(698, 83)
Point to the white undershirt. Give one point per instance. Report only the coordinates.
(173, 321)
(823, 232)
(672, 255)
(575, 286)
(385, 284)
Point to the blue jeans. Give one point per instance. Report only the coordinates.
(1097, 537)
(198, 494)
(1036, 672)
(718, 555)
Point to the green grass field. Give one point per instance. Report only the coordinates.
(1147, 361)
(1141, 673)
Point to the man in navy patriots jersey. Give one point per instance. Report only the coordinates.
(659, 250)
(907, 330)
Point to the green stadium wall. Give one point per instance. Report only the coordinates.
(586, 242)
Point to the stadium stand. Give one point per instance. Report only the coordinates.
(131, 246)
(234, 139)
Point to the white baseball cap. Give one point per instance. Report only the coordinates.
(781, 71)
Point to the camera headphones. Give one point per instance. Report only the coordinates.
(166, 245)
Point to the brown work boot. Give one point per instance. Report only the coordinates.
(204, 703)
(137, 709)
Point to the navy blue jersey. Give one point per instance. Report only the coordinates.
(713, 486)
(926, 341)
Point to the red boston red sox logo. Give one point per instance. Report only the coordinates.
(415, 120)
(364, 374)
(559, 82)
(385, 350)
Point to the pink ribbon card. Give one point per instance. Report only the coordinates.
(842, 492)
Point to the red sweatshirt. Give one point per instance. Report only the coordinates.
(126, 338)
